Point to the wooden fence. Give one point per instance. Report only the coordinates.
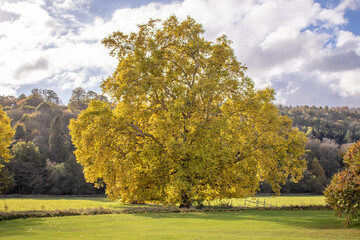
(258, 203)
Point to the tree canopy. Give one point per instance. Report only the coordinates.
(186, 125)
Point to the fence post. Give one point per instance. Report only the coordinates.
(245, 203)
(257, 203)
(264, 202)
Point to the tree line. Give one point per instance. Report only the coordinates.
(42, 152)
(330, 132)
(43, 161)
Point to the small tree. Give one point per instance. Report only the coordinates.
(20, 132)
(318, 179)
(78, 101)
(343, 193)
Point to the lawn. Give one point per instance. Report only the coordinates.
(40, 203)
(269, 224)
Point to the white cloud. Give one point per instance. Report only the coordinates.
(285, 44)
(38, 47)
(70, 5)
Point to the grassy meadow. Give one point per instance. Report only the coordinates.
(275, 201)
(283, 224)
(50, 203)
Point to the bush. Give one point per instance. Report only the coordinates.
(343, 193)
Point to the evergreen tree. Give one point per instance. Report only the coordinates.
(25, 166)
(20, 132)
(58, 147)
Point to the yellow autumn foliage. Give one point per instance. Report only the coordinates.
(186, 123)
(6, 134)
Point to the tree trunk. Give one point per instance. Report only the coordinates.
(185, 201)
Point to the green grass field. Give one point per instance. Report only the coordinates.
(282, 224)
(266, 224)
(39, 203)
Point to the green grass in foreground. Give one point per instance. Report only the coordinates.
(283, 224)
(40, 203)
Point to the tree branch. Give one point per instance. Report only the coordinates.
(139, 132)
(167, 91)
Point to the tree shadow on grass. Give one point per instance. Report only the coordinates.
(19, 227)
(308, 219)
(322, 221)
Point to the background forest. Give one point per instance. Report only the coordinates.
(43, 160)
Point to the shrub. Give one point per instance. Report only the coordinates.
(343, 193)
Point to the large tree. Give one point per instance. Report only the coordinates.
(186, 124)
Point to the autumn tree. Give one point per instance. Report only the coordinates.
(80, 99)
(186, 124)
(318, 180)
(50, 96)
(21, 97)
(317, 170)
(6, 134)
(77, 101)
(343, 193)
(328, 153)
(33, 100)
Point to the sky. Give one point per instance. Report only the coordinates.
(308, 51)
